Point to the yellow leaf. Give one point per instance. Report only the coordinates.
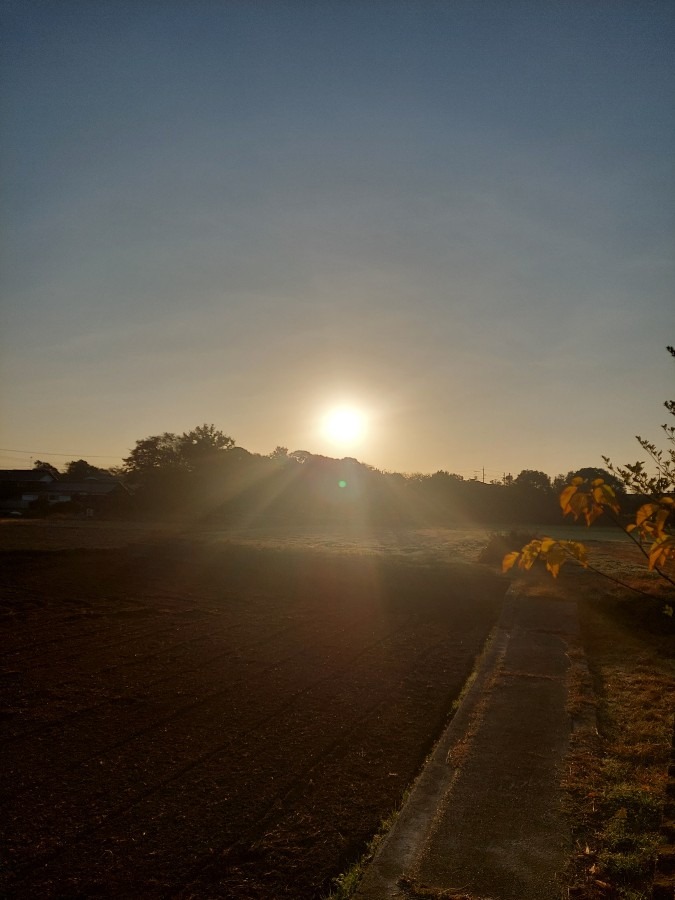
(660, 550)
(577, 481)
(510, 560)
(592, 514)
(565, 497)
(597, 481)
(555, 559)
(654, 559)
(578, 504)
(578, 551)
(605, 496)
(645, 512)
(660, 521)
(530, 554)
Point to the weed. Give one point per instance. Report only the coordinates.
(617, 771)
(346, 884)
(348, 881)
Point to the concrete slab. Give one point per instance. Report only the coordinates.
(485, 818)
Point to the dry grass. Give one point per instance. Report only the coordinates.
(425, 892)
(622, 703)
(459, 752)
(412, 544)
(623, 710)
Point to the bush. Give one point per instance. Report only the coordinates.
(502, 543)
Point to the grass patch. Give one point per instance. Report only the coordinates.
(348, 881)
(618, 763)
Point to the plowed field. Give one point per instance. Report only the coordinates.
(184, 720)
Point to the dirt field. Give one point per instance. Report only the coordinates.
(196, 718)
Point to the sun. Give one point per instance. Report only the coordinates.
(344, 425)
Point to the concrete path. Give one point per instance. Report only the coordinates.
(484, 820)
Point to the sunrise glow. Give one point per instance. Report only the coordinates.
(344, 425)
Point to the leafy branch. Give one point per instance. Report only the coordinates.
(588, 500)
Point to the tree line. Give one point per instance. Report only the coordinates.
(204, 475)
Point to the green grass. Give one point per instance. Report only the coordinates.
(347, 882)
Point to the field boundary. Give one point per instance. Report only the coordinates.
(398, 849)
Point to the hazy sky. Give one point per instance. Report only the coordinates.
(456, 216)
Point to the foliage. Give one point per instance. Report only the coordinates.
(502, 543)
(46, 467)
(589, 499)
(616, 770)
(638, 479)
(581, 500)
(203, 444)
(553, 553)
(170, 453)
(80, 469)
(634, 475)
(279, 453)
(590, 473)
(152, 454)
(531, 479)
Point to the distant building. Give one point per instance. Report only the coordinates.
(22, 489)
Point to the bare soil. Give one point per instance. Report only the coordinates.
(188, 718)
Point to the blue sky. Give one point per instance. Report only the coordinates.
(455, 216)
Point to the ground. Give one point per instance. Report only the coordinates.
(188, 716)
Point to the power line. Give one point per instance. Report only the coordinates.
(52, 453)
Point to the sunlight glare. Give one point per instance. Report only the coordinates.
(344, 425)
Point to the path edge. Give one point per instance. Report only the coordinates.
(401, 845)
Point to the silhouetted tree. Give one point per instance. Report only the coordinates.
(204, 444)
(46, 467)
(532, 479)
(157, 453)
(589, 473)
(301, 456)
(80, 469)
(186, 472)
(169, 452)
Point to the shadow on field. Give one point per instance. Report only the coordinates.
(189, 718)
